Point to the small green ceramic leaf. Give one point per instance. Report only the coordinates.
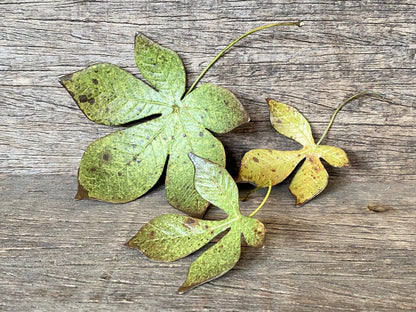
(126, 164)
(261, 166)
(171, 237)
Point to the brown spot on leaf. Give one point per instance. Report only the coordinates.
(255, 159)
(190, 222)
(119, 174)
(201, 134)
(278, 120)
(83, 98)
(92, 101)
(151, 234)
(95, 81)
(106, 156)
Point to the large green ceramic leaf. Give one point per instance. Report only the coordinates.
(126, 164)
(171, 237)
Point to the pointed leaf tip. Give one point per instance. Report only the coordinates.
(82, 193)
(193, 157)
(65, 78)
(130, 244)
(214, 262)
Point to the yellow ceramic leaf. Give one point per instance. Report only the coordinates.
(288, 121)
(310, 180)
(259, 166)
(334, 156)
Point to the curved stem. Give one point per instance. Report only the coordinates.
(245, 198)
(263, 202)
(298, 23)
(357, 95)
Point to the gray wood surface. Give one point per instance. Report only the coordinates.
(352, 248)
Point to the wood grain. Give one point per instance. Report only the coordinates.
(334, 254)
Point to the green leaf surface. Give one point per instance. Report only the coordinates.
(216, 261)
(171, 237)
(261, 166)
(254, 232)
(214, 185)
(113, 167)
(161, 67)
(214, 107)
(126, 164)
(109, 95)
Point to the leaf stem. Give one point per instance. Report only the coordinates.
(298, 23)
(264, 200)
(245, 198)
(357, 95)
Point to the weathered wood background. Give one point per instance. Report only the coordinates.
(333, 254)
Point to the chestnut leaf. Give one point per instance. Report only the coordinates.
(126, 164)
(171, 237)
(261, 166)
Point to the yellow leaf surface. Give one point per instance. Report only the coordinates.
(288, 121)
(260, 166)
(310, 180)
(334, 155)
(264, 166)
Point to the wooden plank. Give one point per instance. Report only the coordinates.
(334, 254)
(344, 47)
